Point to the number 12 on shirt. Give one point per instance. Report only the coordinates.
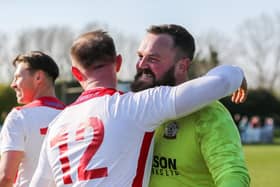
(97, 138)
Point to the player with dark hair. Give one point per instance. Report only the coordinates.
(25, 126)
(198, 150)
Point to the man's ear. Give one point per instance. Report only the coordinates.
(38, 75)
(77, 73)
(183, 65)
(118, 62)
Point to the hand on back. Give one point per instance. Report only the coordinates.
(240, 95)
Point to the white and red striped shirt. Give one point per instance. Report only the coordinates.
(103, 139)
(24, 130)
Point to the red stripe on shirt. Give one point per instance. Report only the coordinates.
(95, 92)
(15, 180)
(138, 180)
(43, 131)
(47, 101)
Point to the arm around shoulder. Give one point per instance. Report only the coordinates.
(231, 76)
(216, 84)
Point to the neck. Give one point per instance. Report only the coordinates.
(181, 80)
(45, 92)
(103, 77)
(95, 84)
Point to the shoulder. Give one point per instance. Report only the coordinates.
(210, 112)
(213, 110)
(14, 114)
(215, 117)
(211, 117)
(22, 107)
(13, 122)
(214, 106)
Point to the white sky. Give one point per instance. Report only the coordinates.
(133, 16)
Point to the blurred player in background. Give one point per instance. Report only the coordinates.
(25, 127)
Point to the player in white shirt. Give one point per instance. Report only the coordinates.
(25, 127)
(103, 138)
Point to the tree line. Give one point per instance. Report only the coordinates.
(255, 47)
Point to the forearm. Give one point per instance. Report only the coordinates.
(233, 76)
(6, 181)
(9, 163)
(216, 84)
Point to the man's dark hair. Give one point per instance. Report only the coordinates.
(92, 47)
(182, 39)
(38, 60)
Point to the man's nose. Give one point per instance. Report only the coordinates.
(13, 84)
(142, 63)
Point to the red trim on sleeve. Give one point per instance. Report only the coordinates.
(43, 131)
(15, 180)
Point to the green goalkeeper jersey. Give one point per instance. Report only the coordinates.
(200, 150)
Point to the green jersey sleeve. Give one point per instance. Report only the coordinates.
(221, 147)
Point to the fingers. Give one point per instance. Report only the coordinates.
(242, 96)
(239, 96)
(233, 97)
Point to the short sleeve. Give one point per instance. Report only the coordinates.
(12, 134)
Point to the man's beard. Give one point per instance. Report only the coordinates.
(168, 79)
